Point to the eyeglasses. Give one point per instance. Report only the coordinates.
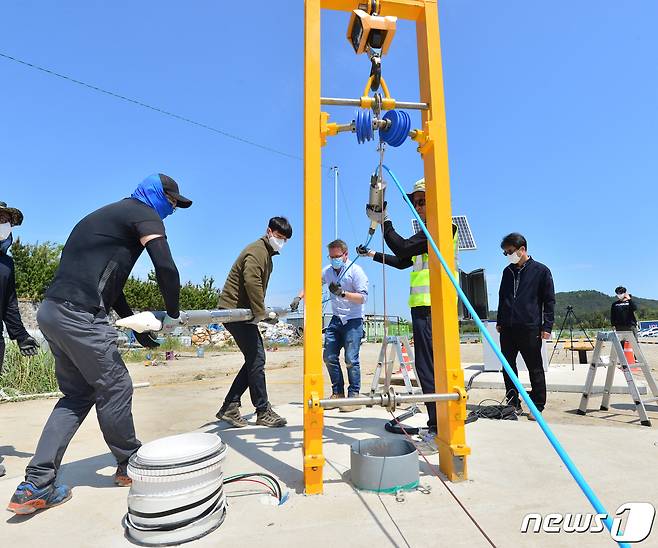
(506, 253)
(419, 203)
(337, 257)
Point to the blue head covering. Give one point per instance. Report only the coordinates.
(151, 193)
(6, 244)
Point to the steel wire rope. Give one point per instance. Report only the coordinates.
(566, 459)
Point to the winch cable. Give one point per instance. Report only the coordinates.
(445, 484)
(564, 456)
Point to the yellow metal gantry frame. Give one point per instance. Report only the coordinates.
(433, 147)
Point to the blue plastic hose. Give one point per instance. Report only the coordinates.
(580, 480)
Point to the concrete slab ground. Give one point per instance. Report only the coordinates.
(512, 470)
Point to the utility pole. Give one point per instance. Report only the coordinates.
(335, 170)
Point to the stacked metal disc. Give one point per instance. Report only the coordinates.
(177, 493)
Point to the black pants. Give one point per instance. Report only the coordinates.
(89, 372)
(528, 342)
(421, 322)
(2, 351)
(252, 374)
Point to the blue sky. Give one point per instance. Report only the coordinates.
(552, 116)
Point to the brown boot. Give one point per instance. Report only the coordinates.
(231, 414)
(270, 419)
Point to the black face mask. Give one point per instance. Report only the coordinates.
(6, 244)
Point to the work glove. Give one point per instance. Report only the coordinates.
(169, 323)
(376, 216)
(146, 339)
(362, 251)
(269, 317)
(336, 289)
(294, 305)
(28, 346)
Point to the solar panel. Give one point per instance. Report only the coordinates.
(465, 240)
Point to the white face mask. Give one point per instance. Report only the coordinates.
(514, 258)
(5, 230)
(621, 296)
(276, 243)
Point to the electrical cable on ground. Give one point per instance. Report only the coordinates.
(266, 480)
(566, 459)
(498, 410)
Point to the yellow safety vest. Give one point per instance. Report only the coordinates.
(419, 290)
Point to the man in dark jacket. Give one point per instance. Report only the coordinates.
(412, 253)
(622, 312)
(245, 287)
(9, 314)
(526, 303)
(96, 262)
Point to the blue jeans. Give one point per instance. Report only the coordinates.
(346, 336)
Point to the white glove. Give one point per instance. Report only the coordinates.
(169, 323)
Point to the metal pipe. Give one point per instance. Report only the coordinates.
(344, 102)
(152, 321)
(413, 398)
(384, 399)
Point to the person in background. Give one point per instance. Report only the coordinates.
(412, 253)
(526, 312)
(622, 312)
(9, 313)
(349, 291)
(246, 287)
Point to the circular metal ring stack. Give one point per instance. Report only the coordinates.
(177, 493)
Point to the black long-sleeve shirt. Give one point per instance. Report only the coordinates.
(622, 313)
(527, 297)
(404, 249)
(9, 314)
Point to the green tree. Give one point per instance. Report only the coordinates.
(35, 267)
(199, 296)
(145, 294)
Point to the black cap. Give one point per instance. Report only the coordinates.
(171, 189)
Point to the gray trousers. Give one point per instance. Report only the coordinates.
(89, 372)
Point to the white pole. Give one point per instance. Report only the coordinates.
(335, 168)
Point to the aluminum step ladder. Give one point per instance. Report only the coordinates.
(386, 362)
(617, 356)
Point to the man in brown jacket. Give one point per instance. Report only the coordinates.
(245, 287)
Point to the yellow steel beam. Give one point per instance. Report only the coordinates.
(313, 390)
(403, 9)
(451, 439)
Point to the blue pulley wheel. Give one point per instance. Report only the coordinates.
(399, 129)
(363, 126)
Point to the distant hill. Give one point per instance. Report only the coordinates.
(590, 301)
(592, 308)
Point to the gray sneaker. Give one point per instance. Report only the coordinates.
(231, 414)
(270, 419)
